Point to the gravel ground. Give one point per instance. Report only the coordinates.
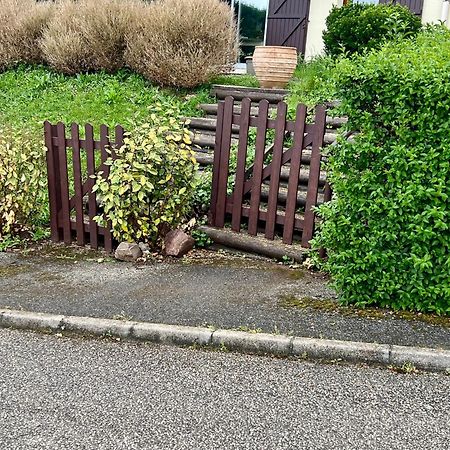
(217, 290)
(91, 394)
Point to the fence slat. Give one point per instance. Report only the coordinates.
(216, 164)
(53, 187)
(77, 178)
(241, 163)
(258, 166)
(224, 162)
(314, 175)
(64, 183)
(276, 169)
(105, 147)
(92, 202)
(294, 174)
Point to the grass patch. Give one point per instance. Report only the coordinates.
(236, 80)
(31, 95)
(313, 83)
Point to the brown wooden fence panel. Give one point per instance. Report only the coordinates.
(238, 196)
(277, 192)
(224, 162)
(314, 175)
(90, 155)
(294, 174)
(275, 170)
(258, 166)
(73, 205)
(78, 184)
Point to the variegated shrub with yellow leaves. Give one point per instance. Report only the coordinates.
(152, 179)
(22, 182)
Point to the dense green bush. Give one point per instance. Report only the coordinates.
(387, 230)
(22, 182)
(152, 181)
(357, 27)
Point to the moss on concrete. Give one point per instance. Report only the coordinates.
(332, 305)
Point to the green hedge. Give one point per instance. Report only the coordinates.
(387, 230)
(357, 27)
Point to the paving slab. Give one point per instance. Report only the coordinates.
(221, 291)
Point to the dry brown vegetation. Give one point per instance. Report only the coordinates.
(170, 42)
(182, 43)
(88, 35)
(21, 26)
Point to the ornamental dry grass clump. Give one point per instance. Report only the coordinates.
(21, 26)
(182, 43)
(88, 35)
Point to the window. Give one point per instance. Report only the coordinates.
(251, 19)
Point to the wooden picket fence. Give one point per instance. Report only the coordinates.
(71, 163)
(277, 192)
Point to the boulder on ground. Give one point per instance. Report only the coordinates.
(128, 251)
(177, 243)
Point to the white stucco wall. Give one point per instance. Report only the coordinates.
(432, 10)
(318, 14)
(319, 10)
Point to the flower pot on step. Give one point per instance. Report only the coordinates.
(274, 66)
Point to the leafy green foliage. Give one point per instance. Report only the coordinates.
(356, 27)
(387, 230)
(22, 182)
(313, 83)
(151, 182)
(202, 240)
(30, 95)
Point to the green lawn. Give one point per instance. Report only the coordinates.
(31, 95)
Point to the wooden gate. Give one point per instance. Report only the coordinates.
(416, 6)
(256, 195)
(73, 205)
(287, 23)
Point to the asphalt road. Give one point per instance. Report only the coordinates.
(73, 393)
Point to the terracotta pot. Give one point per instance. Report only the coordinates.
(274, 66)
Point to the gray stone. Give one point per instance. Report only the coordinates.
(97, 327)
(252, 342)
(328, 349)
(127, 251)
(30, 320)
(420, 358)
(171, 334)
(145, 248)
(177, 243)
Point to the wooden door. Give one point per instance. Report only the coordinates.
(416, 6)
(287, 23)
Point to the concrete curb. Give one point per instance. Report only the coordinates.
(239, 341)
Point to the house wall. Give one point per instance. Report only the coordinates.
(318, 14)
(432, 10)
